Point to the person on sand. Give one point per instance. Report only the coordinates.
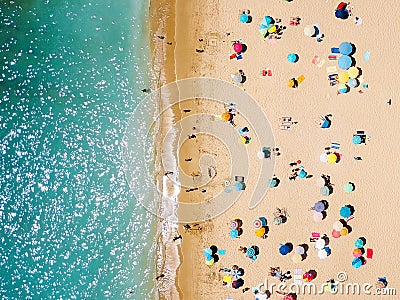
(242, 249)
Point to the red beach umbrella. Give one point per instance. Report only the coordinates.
(237, 47)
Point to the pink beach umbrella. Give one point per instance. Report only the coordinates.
(336, 234)
(300, 250)
(317, 216)
(237, 47)
(320, 182)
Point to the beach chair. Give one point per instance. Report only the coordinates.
(239, 178)
(335, 146)
(360, 132)
(285, 127)
(321, 63)
(298, 276)
(285, 119)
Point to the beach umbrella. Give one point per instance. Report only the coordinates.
(244, 18)
(292, 57)
(302, 174)
(226, 116)
(326, 124)
(260, 232)
(237, 47)
(342, 5)
(239, 186)
(296, 258)
(336, 233)
(324, 158)
(263, 31)
(208, 251)
(233, 224)
(237, 78)
(257, 224)
(332, 158)
(342, 14)
(272, 29)
(300, 250)
(236, 274)
(250, 252)
(357, 262)
(345, 62)
(234, 233)
(328, 250)
(345, 212)
(346, 48)
(324, 191)
(356, 139)
(319, 206)
(289, 297)
(263, 221)
(260, 155)
(278, 221)
(267, 20)
(357, 252)
(309, 30)
(359, 243)
(320, 244)
(348, 187)
(344, 231)
(210, 262)
(272, 183)
(322, 254)
(352, 82)
(284, 249)
(318, 216)
(337, 226)
(353, 72)
(342, 88)
(321, 181)
(290, 83)
(343, 76)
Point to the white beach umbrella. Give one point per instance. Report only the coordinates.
(320, 244)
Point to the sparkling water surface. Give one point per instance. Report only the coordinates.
(71, 75)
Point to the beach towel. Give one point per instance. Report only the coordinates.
(331, 69)
(298, 276)
(367, 55)
(321, 63)
(370, 253)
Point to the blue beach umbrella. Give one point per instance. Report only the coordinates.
(345, 212)
(244, 18)
(209, 257)
(352, 82)
(357, 262)
(359, 243)
(267, 21)
(345, 62)
(342, 14)
(284, 249)
(326, 124)
(328, 250)
(239, 186)
(346, 48)
(302, 174)
(292, 57)
(263, 31)
(263, 221)
(236, 274)
(356, 139)
(250, 252)
(319, 206)
(207, 251)
(234, 233)
(272, 183)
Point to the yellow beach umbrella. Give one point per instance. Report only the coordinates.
(297, 258)
(343, 77)
(226, 116)
(272, 29)
(290, 83)
(332, 158)
(260, 232)
(344, 231)
(210, 262)
(353, 72)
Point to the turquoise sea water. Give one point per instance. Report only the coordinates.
(71, 76)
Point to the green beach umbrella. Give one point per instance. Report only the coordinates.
(348, 187)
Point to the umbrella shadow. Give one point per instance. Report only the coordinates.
(353, 185)
(256, 249)
(354, 49)
(313, 273)
(324, 214)
(244, 48)
(249, 19)
(352, 209)
(363, 239)
(353, 61)
(283, 218)
(349, 229)
(240, 231)
(305, 254)
(326, 238)
(290, 245)
(326, 204)
(214, 249)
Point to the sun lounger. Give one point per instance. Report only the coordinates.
(321, 63)
(335, 145)
(332, 57)
(335, 50)
(239, 178)
(285, 127)
(286, 119)
(298, 276)
(360, 132)
(300, 79)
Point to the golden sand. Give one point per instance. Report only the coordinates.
(375, 176)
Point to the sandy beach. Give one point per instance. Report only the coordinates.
(211, 27)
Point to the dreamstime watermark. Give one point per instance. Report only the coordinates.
(340, 286)
(138, 148)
